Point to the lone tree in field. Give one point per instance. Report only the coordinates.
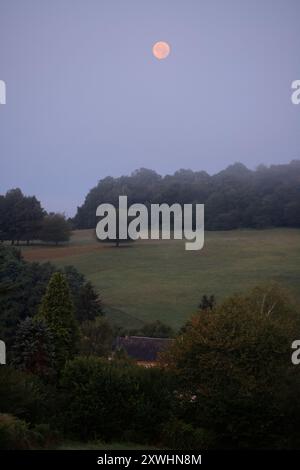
(117, 240)
(207, 302)
(58, 312)
(55, 229)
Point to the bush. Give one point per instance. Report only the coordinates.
(44, 435)
(178, 435)
(23, 395)
(110, 400)
(14, 433)
(33, 348)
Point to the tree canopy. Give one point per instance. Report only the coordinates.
(236, 197)
(23, 284)
(22, 218)
(55, 228)
(234, 370)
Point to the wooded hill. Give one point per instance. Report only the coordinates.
(236, 197)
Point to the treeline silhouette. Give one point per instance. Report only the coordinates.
(22, 219)
(236, 197)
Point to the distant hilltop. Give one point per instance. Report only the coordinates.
(236, 197)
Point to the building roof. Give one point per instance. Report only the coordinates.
(142, 348)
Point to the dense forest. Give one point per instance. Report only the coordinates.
(236, 197)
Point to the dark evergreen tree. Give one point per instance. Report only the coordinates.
(57, 310)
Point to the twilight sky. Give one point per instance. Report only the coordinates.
(87, 99)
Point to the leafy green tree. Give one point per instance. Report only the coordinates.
(234, 370)
(55, 229)
(31, 220)
(33, 349)
(12, 215)
(20, 217)
(57, 310)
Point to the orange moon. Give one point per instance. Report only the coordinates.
(161, 50)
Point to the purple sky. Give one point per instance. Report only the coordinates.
(86, 98)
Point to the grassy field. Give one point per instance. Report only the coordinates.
(149, 280)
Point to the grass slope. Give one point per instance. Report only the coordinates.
(150, 280)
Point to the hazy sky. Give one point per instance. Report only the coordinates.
(87, 99)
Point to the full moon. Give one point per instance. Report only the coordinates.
(161, 50)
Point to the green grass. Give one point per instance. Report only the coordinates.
(149, 280)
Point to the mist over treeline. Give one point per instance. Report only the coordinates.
(236, 197)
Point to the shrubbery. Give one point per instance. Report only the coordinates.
(226, 382)
(24, 395)
(33, 349)
(113, 400)
(14, 433)
(29, 409)
(180, 435)
(234, 371)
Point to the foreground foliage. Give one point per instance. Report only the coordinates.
(113, 400)
(226, 382)
(234, 372)
(23, 285)
(57, 311)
